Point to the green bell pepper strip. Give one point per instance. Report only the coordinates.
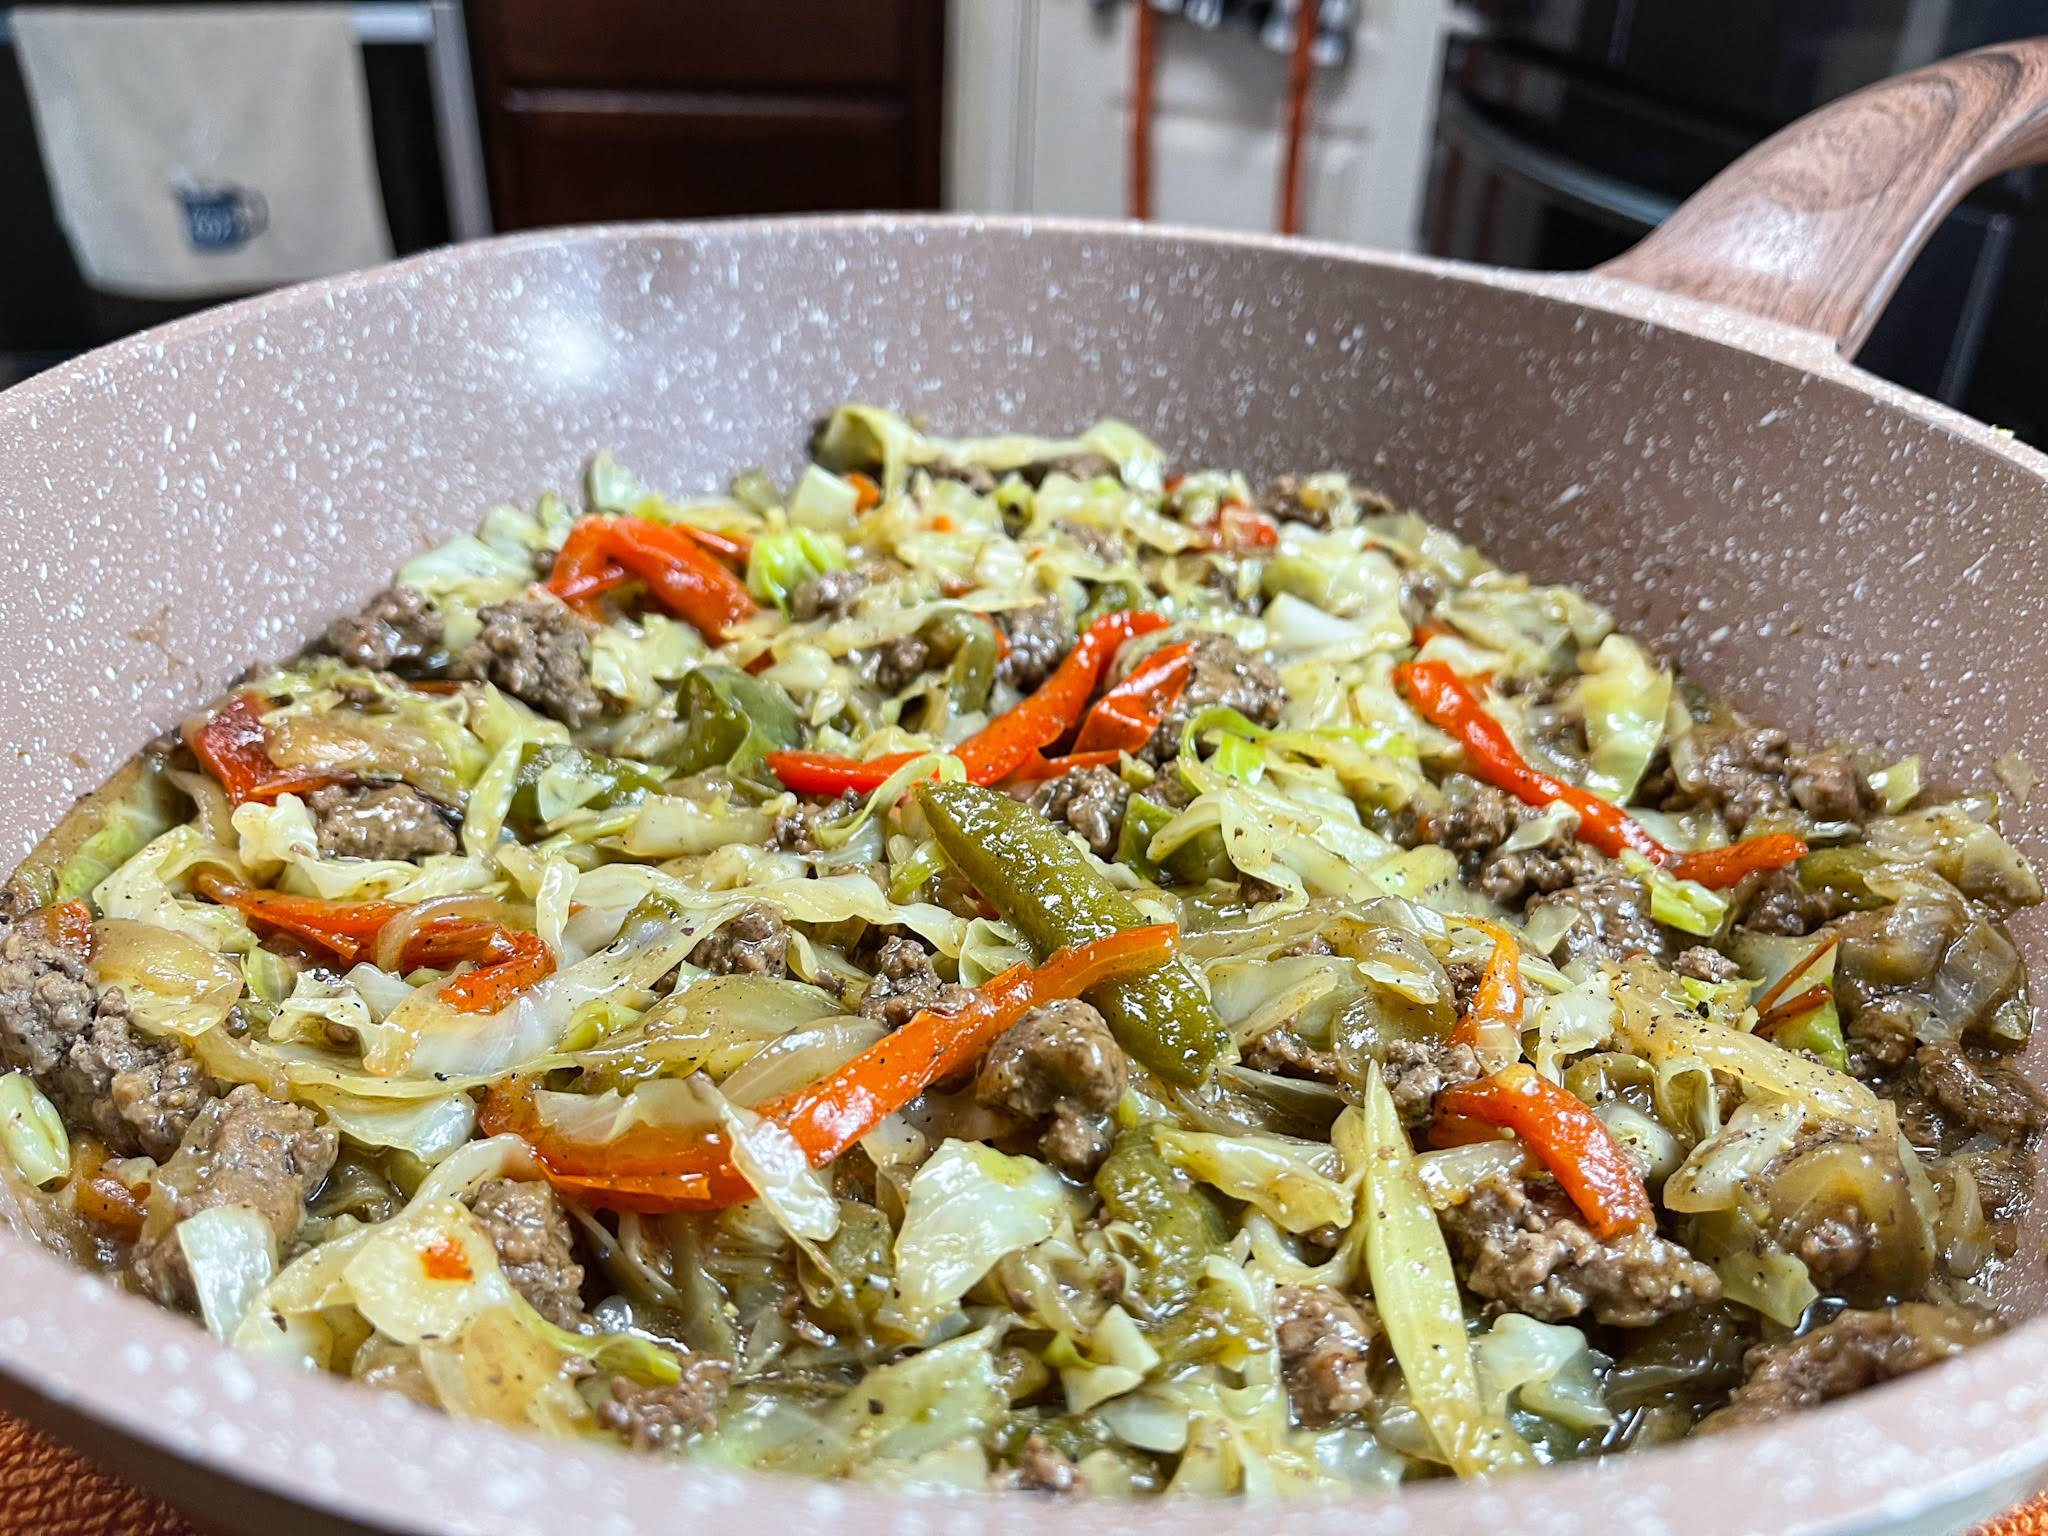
(619, 781)
(1047, 890)
(731, 720)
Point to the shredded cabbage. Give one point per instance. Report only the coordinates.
(967, 1207)
(31, 1131)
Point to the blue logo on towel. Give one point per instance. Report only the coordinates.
(221, 216)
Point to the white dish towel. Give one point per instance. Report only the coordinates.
(206, 149)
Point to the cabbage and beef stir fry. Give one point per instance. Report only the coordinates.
(997, 965)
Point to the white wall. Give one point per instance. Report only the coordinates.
(1039, 91)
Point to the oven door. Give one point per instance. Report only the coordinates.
(1537, 168)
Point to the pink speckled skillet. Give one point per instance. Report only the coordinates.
(1680, 434)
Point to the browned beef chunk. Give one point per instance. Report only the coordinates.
(1091, 801)
(1856, 1350)
(1979, 1090)
(1473, 824)
(905, 984)
(1283, 1052)
(657, 1418)
(1416, 1071)
(538, 651)
(1079, 466)
(754, 943)
(1041, 1467)
(396, 631)
(1777, 903)
(1521, 1244)
(246, 1149)
(1739, 771)
(530, 1231)
(829, 594)
(901, 662)
(1704, 963)
(1323, 1338)
(1551, 865)
(796, 830)
(74, 1039)
(379, 821)
(1038, 637)
(1283, 500)
(1828, 786)
(1464, 977)
(1614, 919)
(1061, 1062)
(1221, 673)
(978, 478)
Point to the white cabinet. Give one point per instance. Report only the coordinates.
(1039, 95)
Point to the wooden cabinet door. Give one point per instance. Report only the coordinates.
(632, 109)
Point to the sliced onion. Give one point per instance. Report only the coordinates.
(172, 981)
(799, 1058)
(394, 935)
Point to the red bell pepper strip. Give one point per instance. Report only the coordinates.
(1444, 699)
(507, 960)
(1124, 718)
(584, 568)
(684, 577)
(1719, 868)
(727, 546)
(346, 929)
(1493, 1021)
(686, 580)
(1565, 1136)
(1038, 767)
(659, 1169)
(68, 926)
(229, 745)
(1007, 742)
(578, 591)
(827, 773)
(865, 492)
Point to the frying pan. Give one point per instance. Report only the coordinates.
(1679, 433)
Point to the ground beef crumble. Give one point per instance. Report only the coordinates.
(1416, 1071)
(905, 984)
(1038, 637)
(397, 630)
(1856, 1350)
(1324, 1339)
(530, 1232)
(658, 1418)
(538, 651)
(1520, 1243)
(1221, 673)
(379, 821)
(1090, 800)
(247, 1149)
(755, 942)
(1061, 1063)
(74, 1038)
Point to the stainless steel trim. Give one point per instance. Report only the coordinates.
(376, 21)
(455, 127)
(1594, 191)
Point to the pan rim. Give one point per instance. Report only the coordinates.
(1998, 1380)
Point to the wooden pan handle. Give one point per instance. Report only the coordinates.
(1817, 224)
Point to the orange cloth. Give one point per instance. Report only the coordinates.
(46, 1490)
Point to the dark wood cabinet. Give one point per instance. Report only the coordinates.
(637, 109)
